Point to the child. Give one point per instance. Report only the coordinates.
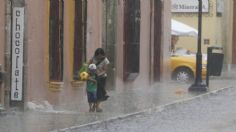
(92, 87)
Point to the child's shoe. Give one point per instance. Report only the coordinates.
(91, 109)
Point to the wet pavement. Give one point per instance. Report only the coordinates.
(210, 112)
(122, 102)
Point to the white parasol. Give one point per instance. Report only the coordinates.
(181, 29)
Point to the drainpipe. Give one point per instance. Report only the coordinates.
(7, 54)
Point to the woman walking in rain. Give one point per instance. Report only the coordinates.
(101, 61)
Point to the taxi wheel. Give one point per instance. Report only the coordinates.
(183, 75)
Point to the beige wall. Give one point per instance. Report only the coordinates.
(166, 40)
(94, 26)
(37, 35)
(37, 48)
(227, 30)
(37, 32)
(37, 44)
(68, 40)
(120, 44)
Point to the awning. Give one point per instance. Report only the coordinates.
(181, 29)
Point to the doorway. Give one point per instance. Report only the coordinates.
(157, 39)
(109, 39)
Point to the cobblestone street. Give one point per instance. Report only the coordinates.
(120, 104)
(214, 112)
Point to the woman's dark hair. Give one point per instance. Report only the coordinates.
(99, 51)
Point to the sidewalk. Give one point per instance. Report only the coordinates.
(120, 104)
(210, 112)
(130, 102)
(134, 101)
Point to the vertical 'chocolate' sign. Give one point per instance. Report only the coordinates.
(17, 53)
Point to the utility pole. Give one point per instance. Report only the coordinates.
(198, 85)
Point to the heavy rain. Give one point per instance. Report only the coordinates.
(117, 66)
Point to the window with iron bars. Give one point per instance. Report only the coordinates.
(80, 36)
(131, 39)
(56, 40)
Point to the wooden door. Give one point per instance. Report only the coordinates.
(157, 39)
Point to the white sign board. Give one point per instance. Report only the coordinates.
(17, 53)
(188, 5)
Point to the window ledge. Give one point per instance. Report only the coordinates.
(132, 76)
(77, 83)
(56, 86)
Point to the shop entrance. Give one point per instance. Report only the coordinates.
(109, 39)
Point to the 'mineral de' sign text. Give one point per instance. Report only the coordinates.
(189, 5)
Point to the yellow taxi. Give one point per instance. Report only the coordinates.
(183, 65)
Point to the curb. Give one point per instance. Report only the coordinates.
(145, 111)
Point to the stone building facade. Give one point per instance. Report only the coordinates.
(45, 42)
